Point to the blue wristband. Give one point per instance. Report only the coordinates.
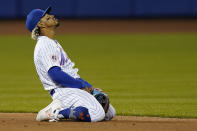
(85, 82)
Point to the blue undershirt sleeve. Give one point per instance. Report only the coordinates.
(85, 82)
(65, 80)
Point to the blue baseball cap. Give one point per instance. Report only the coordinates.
(34, 17)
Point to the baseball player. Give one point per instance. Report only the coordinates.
(73, 97)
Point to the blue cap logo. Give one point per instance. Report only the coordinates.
(34, 17)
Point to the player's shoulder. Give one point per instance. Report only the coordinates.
(44, 44)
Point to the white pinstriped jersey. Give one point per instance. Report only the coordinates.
(49, 53)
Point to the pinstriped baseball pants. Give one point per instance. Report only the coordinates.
(77, 97)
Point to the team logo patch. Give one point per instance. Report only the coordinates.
(54, 58)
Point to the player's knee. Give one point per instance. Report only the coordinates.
(82, 114)
(113, 111)
(98, 114)
(100, 117)
(110, 114)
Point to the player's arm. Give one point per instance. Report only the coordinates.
(65, 80)
(88, 87)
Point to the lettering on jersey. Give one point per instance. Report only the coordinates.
(67, 59)
(54, 58)
(62, 62)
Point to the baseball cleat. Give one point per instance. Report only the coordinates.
(50, 112)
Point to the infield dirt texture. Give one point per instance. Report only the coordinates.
(26, 121)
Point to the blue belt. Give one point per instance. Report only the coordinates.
(52, 92)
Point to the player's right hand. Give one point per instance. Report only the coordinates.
(89, 90)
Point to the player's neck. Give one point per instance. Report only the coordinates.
(48, 32)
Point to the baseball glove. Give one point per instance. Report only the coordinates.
(102, 98)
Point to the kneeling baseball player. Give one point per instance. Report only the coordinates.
(73, 97)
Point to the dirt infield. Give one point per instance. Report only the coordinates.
(107, 26)
(26, 121)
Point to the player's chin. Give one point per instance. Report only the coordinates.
(57, 24)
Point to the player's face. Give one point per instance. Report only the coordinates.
(49, 21)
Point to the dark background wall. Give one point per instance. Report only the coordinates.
(102, 8)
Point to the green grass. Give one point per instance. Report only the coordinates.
(144, 75)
